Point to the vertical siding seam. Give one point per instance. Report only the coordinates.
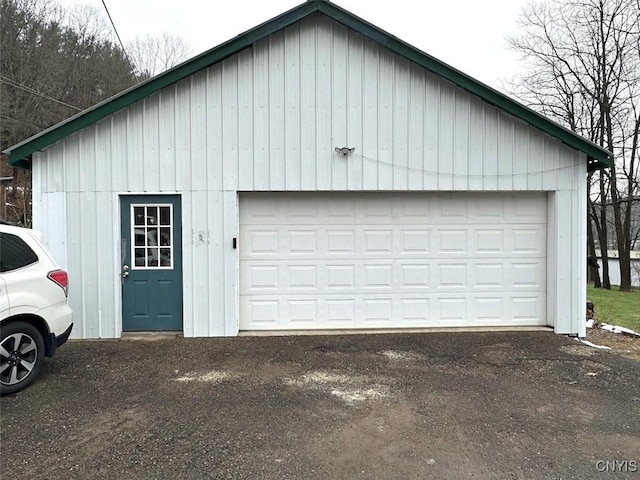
(408, 127)
(82, 146)
(347, 106)
(315, 98)
(98, 278)
(362, 57)
(252, 109)
(363, 102)
(377, 117)
(454, 127)
(394, 105)
(469, 181)
(207, 137)
(408, 169)
(525, 164)
(207, 247)
(283, 113)
(75, 183)
(158, 149)
(190, 136)
(285, 153)
(332, 76)
(192, 279)
(82, 250)
(127, 125)
(318, 99)
(498, 149)
(301, 107)
(111, 162)
(237, 123)
(176, 105)
(47, 171)
(268, 115)
(438, 111)
(484, 145)
(143, 146)
(514, 159)
(207, 145)
(423, 132)
(95, 159)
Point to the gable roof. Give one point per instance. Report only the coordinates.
(20, 154)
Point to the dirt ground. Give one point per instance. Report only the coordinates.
(626, 345)
(518, 405)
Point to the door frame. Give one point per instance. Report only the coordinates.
(117, 236)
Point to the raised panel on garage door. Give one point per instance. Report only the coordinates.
(346, 260)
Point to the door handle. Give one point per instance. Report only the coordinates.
(125, 271)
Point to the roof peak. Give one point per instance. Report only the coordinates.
(20, 154)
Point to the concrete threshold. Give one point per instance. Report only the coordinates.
(149, 336)
(284, 333)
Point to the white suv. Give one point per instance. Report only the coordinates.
(34, 316)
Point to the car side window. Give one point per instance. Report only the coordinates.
(14, 253)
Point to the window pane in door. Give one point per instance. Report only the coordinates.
(152, 215)
(140, 257)
(165, 215)
(152, 257)
(165, 257)
(165, 236)
(138, 216)
(152, 237)
(139, 239)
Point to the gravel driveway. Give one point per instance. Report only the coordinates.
(528, 405)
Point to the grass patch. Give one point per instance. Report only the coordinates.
(615, 307)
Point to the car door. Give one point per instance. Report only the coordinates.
(4, 299)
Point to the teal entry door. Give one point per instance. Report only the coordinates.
(151, 263)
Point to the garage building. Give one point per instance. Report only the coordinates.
(314, 173)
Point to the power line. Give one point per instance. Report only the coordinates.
(11, 83)
(119, 39)
(462, 175)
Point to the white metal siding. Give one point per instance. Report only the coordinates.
(268, 119)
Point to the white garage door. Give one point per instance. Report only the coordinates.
(349, 260)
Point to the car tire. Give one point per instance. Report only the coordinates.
(21, 352)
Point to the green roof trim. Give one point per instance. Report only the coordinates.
(20, 155)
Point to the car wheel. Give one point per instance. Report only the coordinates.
(21, 352)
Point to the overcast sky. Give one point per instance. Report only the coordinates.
(467, 34)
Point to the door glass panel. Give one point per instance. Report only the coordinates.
(165, 257)
(139, 237)
(152, 257)
(152, 215)
(138, 215)
(165, 215)
(152, 228)
(165, 236)
(139, 257)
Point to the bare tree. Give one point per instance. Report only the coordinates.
(584, 71)
(87, 22)
(53, 65)
(153, 55)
